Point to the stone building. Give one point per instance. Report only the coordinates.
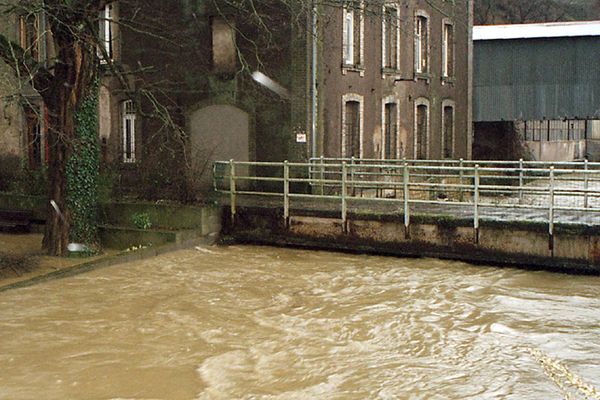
(22, 114)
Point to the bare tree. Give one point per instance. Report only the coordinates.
(62, 84)
(530, 11)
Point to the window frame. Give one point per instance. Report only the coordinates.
(384, 103)
(384, 36)
(448, 46)
(351, 59)
(448, 104)
(128, 114)
(35, 134)
(422, 40)
(346, 98)
(422, 101)
(107, 33)
(31, 45)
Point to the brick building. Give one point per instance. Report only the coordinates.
(395, 80)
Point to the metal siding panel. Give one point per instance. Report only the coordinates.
(536, 79)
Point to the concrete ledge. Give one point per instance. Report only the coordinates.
(172, 216)
(114, 237)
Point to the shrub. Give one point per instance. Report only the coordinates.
(10, 171)
(15, 264)
(17, 178)
(141, 220)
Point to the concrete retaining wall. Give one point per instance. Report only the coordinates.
(523, 244)
(171, 223)
(564, 150)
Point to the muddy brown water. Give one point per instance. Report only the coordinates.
(265, 323)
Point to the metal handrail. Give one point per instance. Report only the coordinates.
(474, 181)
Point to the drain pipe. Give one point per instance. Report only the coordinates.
(313, 83)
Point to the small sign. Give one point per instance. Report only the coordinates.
(300, 137)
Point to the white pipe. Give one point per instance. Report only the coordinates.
(313, 90)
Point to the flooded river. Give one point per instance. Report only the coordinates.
(266, 323)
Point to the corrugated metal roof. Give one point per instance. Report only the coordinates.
(535, 31)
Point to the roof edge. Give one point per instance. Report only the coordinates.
(533, 31)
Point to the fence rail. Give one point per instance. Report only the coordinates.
(515, 186)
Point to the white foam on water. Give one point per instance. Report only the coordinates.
(323, 390)
(223, 373)
(503, 329)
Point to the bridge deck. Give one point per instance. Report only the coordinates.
(304, 206)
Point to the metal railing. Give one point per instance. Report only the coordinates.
(549, 188)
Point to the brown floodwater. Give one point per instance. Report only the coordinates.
(266, 323)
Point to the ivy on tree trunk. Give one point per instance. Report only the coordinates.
(82, 173)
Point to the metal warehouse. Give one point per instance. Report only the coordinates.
(537, 91)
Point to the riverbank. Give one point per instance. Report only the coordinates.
(25, 264)
(23, 259)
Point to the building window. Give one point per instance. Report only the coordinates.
(29, 34)
(554, 130)
(34, 136)
(129, 117)
(352, 125)
(390, 131)
(421, 150)
(106, 33)
(224, 55)
(391, 38)
(448, 51)
(447, 129)
(353, 28)
(422, 44)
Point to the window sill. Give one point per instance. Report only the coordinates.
(104, 62)
(423, 76)
(353, 68)
(129, 164)
(108, 68)
(390, 72)
(448, 80)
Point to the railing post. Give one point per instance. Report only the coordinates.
(232, 190)
(476, 204)
(551, 210)
(214, 174)
(286, 194)
(406, 182)
(521, 181)
(322, 177)
(586, 183)
(344, 205)
(352, 176)
(461, 180)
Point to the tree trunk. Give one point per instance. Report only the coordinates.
(72, 80)
(56, 235)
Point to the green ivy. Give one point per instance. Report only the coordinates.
(82, 173)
